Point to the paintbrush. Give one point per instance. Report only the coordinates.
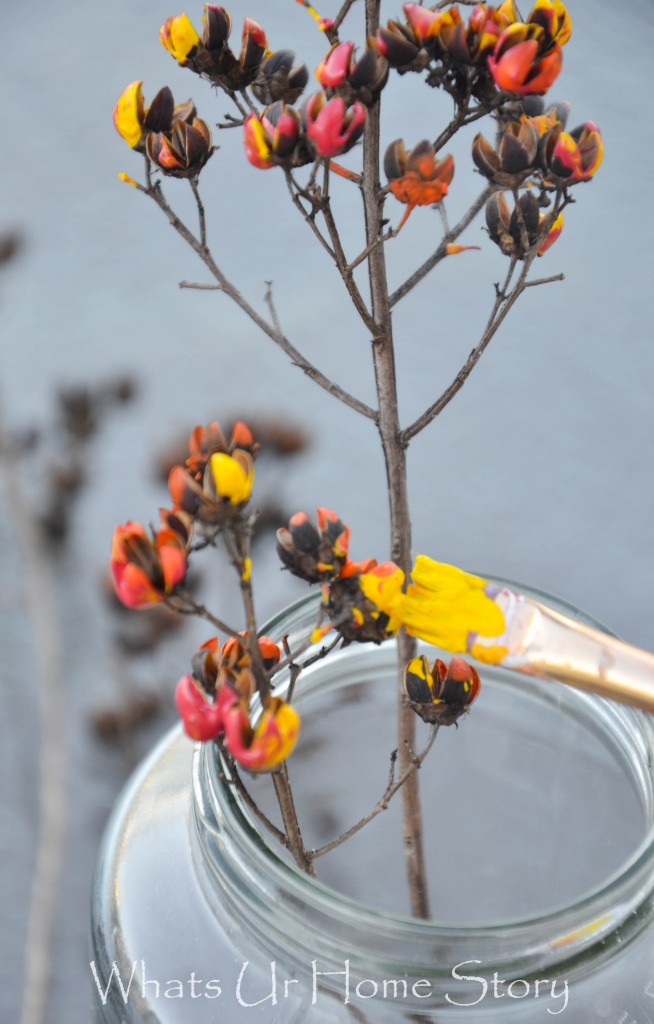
(465, 614)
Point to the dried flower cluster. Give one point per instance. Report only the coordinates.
(492, 62)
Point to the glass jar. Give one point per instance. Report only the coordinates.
(539, 826)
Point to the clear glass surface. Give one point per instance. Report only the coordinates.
(539, 820)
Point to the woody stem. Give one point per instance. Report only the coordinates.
(396, 472)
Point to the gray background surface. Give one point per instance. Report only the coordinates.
(540, 470)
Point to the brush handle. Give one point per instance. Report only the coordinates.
(557, 647)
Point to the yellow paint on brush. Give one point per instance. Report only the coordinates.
(444, 605)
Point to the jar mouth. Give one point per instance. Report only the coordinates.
(610, 911)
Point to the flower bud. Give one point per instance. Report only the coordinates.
(202, 720)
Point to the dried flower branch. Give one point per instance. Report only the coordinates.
(491, 63)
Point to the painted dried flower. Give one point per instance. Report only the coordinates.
(210, 55)
(202, 718)
(552, 234)
(511, 161)
(276, 138)
(332, 126)
(179, 37)
(182, 150)
(264, 746)
(354, 80)
(366, 606)
(146, 569)
(552, 16)
(519, 63)
(314, 552)
(399, 45)
(544, 118)
(442, 694)
(417, 178)
(473, 42)
(516, 231)
(571, 157)
(217, 478)
(277, 79)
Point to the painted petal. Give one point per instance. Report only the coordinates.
(425, 24)
(270, 652)
(552, 235)
(418, 680)
(232, 477)
(508, 12)
(564, 156)
(133, 587)
(591, 148)
(287, 133)
(460, 684)
(257, 147)
(242, 436)
(202, 720)
(548, 69)
(334, 68)
(512, 68)
(179, 37)
(161, 152)
(254, 47)
(128, 114)
(326, 131)
(173, 561)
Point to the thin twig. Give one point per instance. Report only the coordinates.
(441, 251)
(289, 816)
(341, 259)
(308, 217)
(195, 608)
(503, 303)
(297, 669)
(201, 218)
(200, 287)
(464, 117)
(236, 781)
(270, 302)
(545, 280)
(230, 122)
(369, 248)
(393, 786)
(225, 286)
(342, 14)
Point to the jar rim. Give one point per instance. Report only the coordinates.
(554, 936)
